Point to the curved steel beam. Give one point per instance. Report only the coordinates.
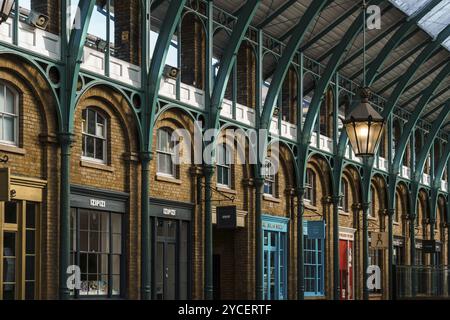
(73, 63)
(283, 65)
(412, 121)
(330, 70)
(436, 126)
(439, 171)
(429, 113)
(156, 68)
(227, 62)
(396, 80)
(396, 40)
(276, 13)
(331, 26)
(418, 62)
(371, 43)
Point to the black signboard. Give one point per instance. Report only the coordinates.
(429, 246)
(226, 217)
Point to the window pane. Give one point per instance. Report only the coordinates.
(83, 115)
(10, 212)
(30, 268)
(117, 243)
(91, 122)
(89, 147)
(2, 98)
(9, 269)
(8, 129)
(115, 264)
(116, 285)
(99, 147)
(116, 222)
(9, 291)
(29, 290)
(30, 241)
(9, 105)
(31, 215)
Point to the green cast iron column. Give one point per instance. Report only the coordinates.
(412, 258)
(365, 210)
(146, 238)
(66, 140)
(391, 214)
(300, 257)
(209, 172)
(336, 280)
(259, 185)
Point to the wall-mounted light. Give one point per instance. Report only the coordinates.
(5, 9)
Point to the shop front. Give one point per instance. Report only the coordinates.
(20, 239)
(97, 226)
(346, 276)
(275, 257)
(171, 249)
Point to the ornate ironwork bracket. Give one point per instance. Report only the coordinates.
(4, 159)
(223, 194)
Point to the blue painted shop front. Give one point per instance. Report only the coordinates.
(275, 257)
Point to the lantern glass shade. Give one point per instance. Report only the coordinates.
(5, 9)
(364, 128)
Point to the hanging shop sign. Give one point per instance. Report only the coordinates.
(379, 240)
(429, 246)
(314, 229)
(5, 184)
(226, 217)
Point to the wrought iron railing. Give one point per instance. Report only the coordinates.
(421, 282)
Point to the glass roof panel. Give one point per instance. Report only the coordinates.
(437, 19)
(409, 6)
(447, 43)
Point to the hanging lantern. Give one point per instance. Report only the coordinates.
(364, 127)
(5, 9)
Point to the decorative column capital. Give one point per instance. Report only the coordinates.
(196, 171)
(146, 156)
(356, 206)
(66, 138)
(208, 170)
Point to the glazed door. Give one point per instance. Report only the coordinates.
(346, 269)
(171, 263)
(9, 290)
(274, 266)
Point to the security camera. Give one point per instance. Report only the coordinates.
(38, 20)
(171, 72)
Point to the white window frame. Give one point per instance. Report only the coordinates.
(170, 153)
(104, 139)
(270, 179)
(343, 203)
(15, 116)
(310, 186)
(224, 166)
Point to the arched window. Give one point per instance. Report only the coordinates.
(94, 135)
(343, 202)
(166, 152)
(310, 186)
(223, 166)
(269, 179)
(9, 116)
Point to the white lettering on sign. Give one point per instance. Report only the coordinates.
(373, 277)
(98, 203)
(169, 212)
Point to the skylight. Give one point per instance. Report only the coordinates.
(434, 21)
